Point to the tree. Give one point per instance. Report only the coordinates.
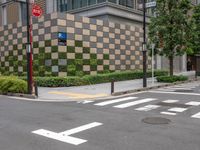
(169, 29)
(194, 40)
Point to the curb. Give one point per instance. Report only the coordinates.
(153, 87)
(21, 95)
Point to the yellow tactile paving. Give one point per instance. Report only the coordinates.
(78, 95)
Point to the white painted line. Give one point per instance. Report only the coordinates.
(135, 103)
(65, 136)
(168, 113)
(193, 103)
(196, 115)
(85, 102)
(81, 128)
(59, 137)
(177, 93)
(170, 101)
(115, 101)
(147, 108)
(177, 109)
(23, 98)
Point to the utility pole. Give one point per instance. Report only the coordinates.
(144, 46)
(29, 51)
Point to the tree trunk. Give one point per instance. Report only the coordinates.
(171, 65)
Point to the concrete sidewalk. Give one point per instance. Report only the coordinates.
(88, 92)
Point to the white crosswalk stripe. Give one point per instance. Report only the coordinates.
(147, 108)
(115, 101)
(135, 103)
(196, 116)
(193, 103)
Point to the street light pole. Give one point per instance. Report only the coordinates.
(144, 47)
(29, 52)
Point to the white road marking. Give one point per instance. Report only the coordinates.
(59, 137)
(135, 103)
(147, 108)
(178, 93)
(177, 109)
(170, 101)
(85, 102)
(81, 128)
(193, 103)
(115, 101)
(168, 113)
(65, 136)
(196, 115)
(22, 98)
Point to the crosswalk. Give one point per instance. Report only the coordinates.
(170, 107)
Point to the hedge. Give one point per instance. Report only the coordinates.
(12, 84)
(171, 79)
(93, 79)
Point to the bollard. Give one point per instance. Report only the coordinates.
(36, 89)
(112, 86)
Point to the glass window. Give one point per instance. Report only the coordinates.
(91, 2)
(113, 1)
(23, 12)
(101, 1)
(127, 3)
(62, 5)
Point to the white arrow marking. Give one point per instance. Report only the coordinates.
(65, 136)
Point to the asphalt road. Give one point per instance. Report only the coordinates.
(114, 125)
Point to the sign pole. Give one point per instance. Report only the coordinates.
(29, 52)
(144, 46)
(153, 46)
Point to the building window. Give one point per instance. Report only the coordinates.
(4, 15)
(23, 13)
(51, 6)
(92, 2)
(127, 3)
(101, 1)
(62, 5)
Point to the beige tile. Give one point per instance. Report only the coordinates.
(70, 55)
(93, 27)
(20, 57)
(137, 53)
(41, 31)
(122, 26)
(137, 34)
(86, 68)
(47, 36)
(54, 15)
(86, 44)
(117, 62)
(100, 22)
(132, 28)
(47, 49)
(19, 46)
(78, 37)
(54, 42)
(123, 67)
(112, 56)
(106, 40)
(15, 53)
(47, 24)
(117, 51)
(112, 46)
(54, 29)
(70, 17)
(99, 34)
(106, 51)
(106, 62)
(99, 45)
(41, 19)
(128, 42)
(123, 57)
(19, 35)
(133, 48)
(86, 32)
(111, 25)
(99, 56)
(78, 25)
(137, 43)
(132, 57)
(24, 29)
(62, 74)
(117, 31)
(132, 38)
(93, 72)
(132, 67)
(111, 35)
(20, 69)
(62, 49)
(105, 29)
(54, 56)
(128, 32)
(123, 37)
(70, 43)
(86, 56)
(19, 24)
(112, 67)
(70, 30)
(128, 62)
(86, 20)
(78, 49)
(137, 62)
(93, 38)
(93, 50)
(36, 51)
(117, 41)
(122, 47)
(128, 52)
(41, 44)
(7, 64)
(100, 68)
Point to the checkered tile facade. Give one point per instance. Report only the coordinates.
(93, 46)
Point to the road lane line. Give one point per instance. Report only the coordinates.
(170, 101)
(59, 137)
(168, 113)
(196, 116)
(178, 93)
(177, 109)
(147, 108)
(81, 128)
(193, 103)
(135, 103)
(115, 101)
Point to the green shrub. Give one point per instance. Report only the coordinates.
(171, 79)
(79, 79)
(12, 84)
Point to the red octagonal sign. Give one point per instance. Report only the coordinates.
(36, 11)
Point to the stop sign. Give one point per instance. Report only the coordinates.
(36, 11)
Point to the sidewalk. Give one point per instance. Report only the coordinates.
(90, 91)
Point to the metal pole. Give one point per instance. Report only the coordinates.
(152, 65)
(29, 52)
(144, 46)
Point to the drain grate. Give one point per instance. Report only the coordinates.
(156, 120)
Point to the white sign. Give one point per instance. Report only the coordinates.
(150, 4)
(65, 136)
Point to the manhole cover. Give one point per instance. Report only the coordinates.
(156, 120)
